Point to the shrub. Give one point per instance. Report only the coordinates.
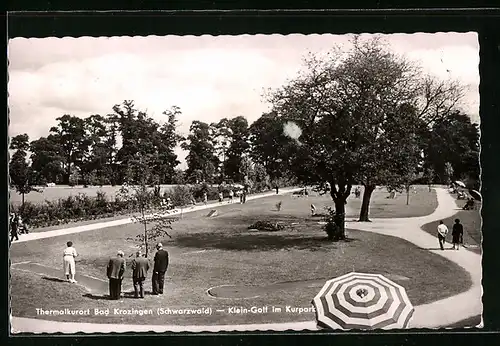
(267, 226)
(331, 227)
(180, 195)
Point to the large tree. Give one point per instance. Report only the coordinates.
(270, 145)
(201, 159)
(71, 137)
(220, 135)
(93, 166)
(238, 148)
(47, 161)
(454, 139)
(350, 110)
(19, 169)
(167, 140)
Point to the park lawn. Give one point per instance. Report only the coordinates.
(211, 252)
(422, 202)
(470, 219)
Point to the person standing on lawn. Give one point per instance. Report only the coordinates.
(457, 233)
(14, 226)
(140, 267)
(69, 255)
(159, 269)
(442, 232)
(115, 271)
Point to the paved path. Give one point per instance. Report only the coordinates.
(105, 224)
(446, 311)
(433, 315)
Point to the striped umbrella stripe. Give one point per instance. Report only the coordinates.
(385, 294)
(402, 313)
(368, 314)
(328, 287)
(350, 290)
(395, 310)
(375, 305)
(398, 288)
(408, 317)
(325, 310)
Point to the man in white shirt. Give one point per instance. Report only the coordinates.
(442, 232)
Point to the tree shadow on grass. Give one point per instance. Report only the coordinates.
(257, 241)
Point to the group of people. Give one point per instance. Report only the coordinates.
(457, 234)
(116, 268)
(140, 267)
(17, 226)
(242, 194)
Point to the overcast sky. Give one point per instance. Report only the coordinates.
(208, 77)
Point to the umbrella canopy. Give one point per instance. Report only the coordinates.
(362, 301)
(475, 194)
(460, 183)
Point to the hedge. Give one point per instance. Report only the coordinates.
(83, 207)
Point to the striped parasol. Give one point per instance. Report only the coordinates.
(362, 301)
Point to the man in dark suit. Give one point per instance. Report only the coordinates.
(115, 271)
(140, 267)
(160, 267)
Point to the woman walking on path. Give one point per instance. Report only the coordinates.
(457, 233)
(69, 255)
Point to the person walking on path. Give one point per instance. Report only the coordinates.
(115, 272)
(69, 255)
(14, 227)
(457, 233)
(442, 232)
(221, 197)
(159, 269)
(205, 198)
(140, 267)
(231, 195)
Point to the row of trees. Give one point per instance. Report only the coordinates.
(129, 146)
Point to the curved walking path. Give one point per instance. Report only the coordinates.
(433, 315)
(449, 310)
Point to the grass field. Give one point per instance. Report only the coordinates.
(56, 192)
(422, 202)
(275, 268)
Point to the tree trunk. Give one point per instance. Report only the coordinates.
(407, 195)
(365, 204)
(339, 220)
(22, 201)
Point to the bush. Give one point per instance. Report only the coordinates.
(180, 195)
(267, 226)
(331, 228)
